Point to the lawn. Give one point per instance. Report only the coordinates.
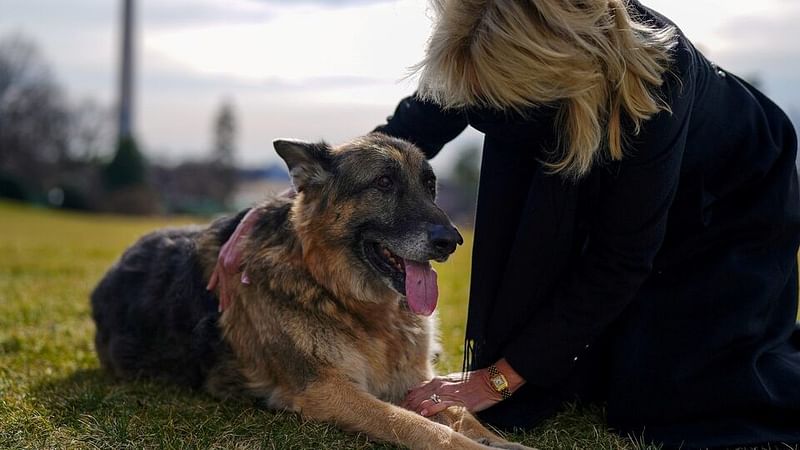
(54, 395)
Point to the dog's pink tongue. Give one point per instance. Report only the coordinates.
(422, 292)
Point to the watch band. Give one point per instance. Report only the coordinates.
(499, 382)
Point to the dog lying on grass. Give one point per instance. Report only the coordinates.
(336, 321)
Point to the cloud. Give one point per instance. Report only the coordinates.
(765, 46)
(324, 2)
(180, 13)
(775, 34)
(372, 41)
(177, 13)
(171, 82)
(58, 15)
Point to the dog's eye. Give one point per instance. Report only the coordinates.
(384, 183)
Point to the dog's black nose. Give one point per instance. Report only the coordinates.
(444, 238)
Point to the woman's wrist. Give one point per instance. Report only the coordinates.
(515, 380)
(489, 390)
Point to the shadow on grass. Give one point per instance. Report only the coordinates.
(89, 408)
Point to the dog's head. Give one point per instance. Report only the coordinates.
(367, 218)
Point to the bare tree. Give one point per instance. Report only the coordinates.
(223, 152)
(225, 134)
(46, 145)
(91, 131)
(34, 117)
(20, 63)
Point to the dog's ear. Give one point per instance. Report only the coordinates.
(309, 163)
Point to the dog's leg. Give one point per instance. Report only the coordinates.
(460, 420)
(340, 401)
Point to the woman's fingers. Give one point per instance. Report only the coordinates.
(457, 389)
(228, 267)
(223, 294)
(416, 395)
(212, 283)
(422, 400)
(230, 258)
(430, 408)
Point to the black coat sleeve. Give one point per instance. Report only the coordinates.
(625, 233)
(425, 124)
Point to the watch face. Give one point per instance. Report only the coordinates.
(499, 383)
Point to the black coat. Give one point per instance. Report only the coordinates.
(665, 284)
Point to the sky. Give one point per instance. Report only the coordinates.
(321, 69)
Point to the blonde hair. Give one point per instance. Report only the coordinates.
(589, 56)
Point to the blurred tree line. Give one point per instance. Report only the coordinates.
(41, 135)
(64, 155)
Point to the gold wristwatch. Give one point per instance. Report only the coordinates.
(499, 382)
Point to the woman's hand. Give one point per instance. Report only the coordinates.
(230, 259)
(472, 390)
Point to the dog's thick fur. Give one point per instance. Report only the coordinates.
(320, 330)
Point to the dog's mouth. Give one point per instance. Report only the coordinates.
(388, 264)
(417, 281)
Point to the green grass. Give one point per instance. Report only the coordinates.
(54, 395)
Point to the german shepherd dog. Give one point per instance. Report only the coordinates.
(335, 323)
